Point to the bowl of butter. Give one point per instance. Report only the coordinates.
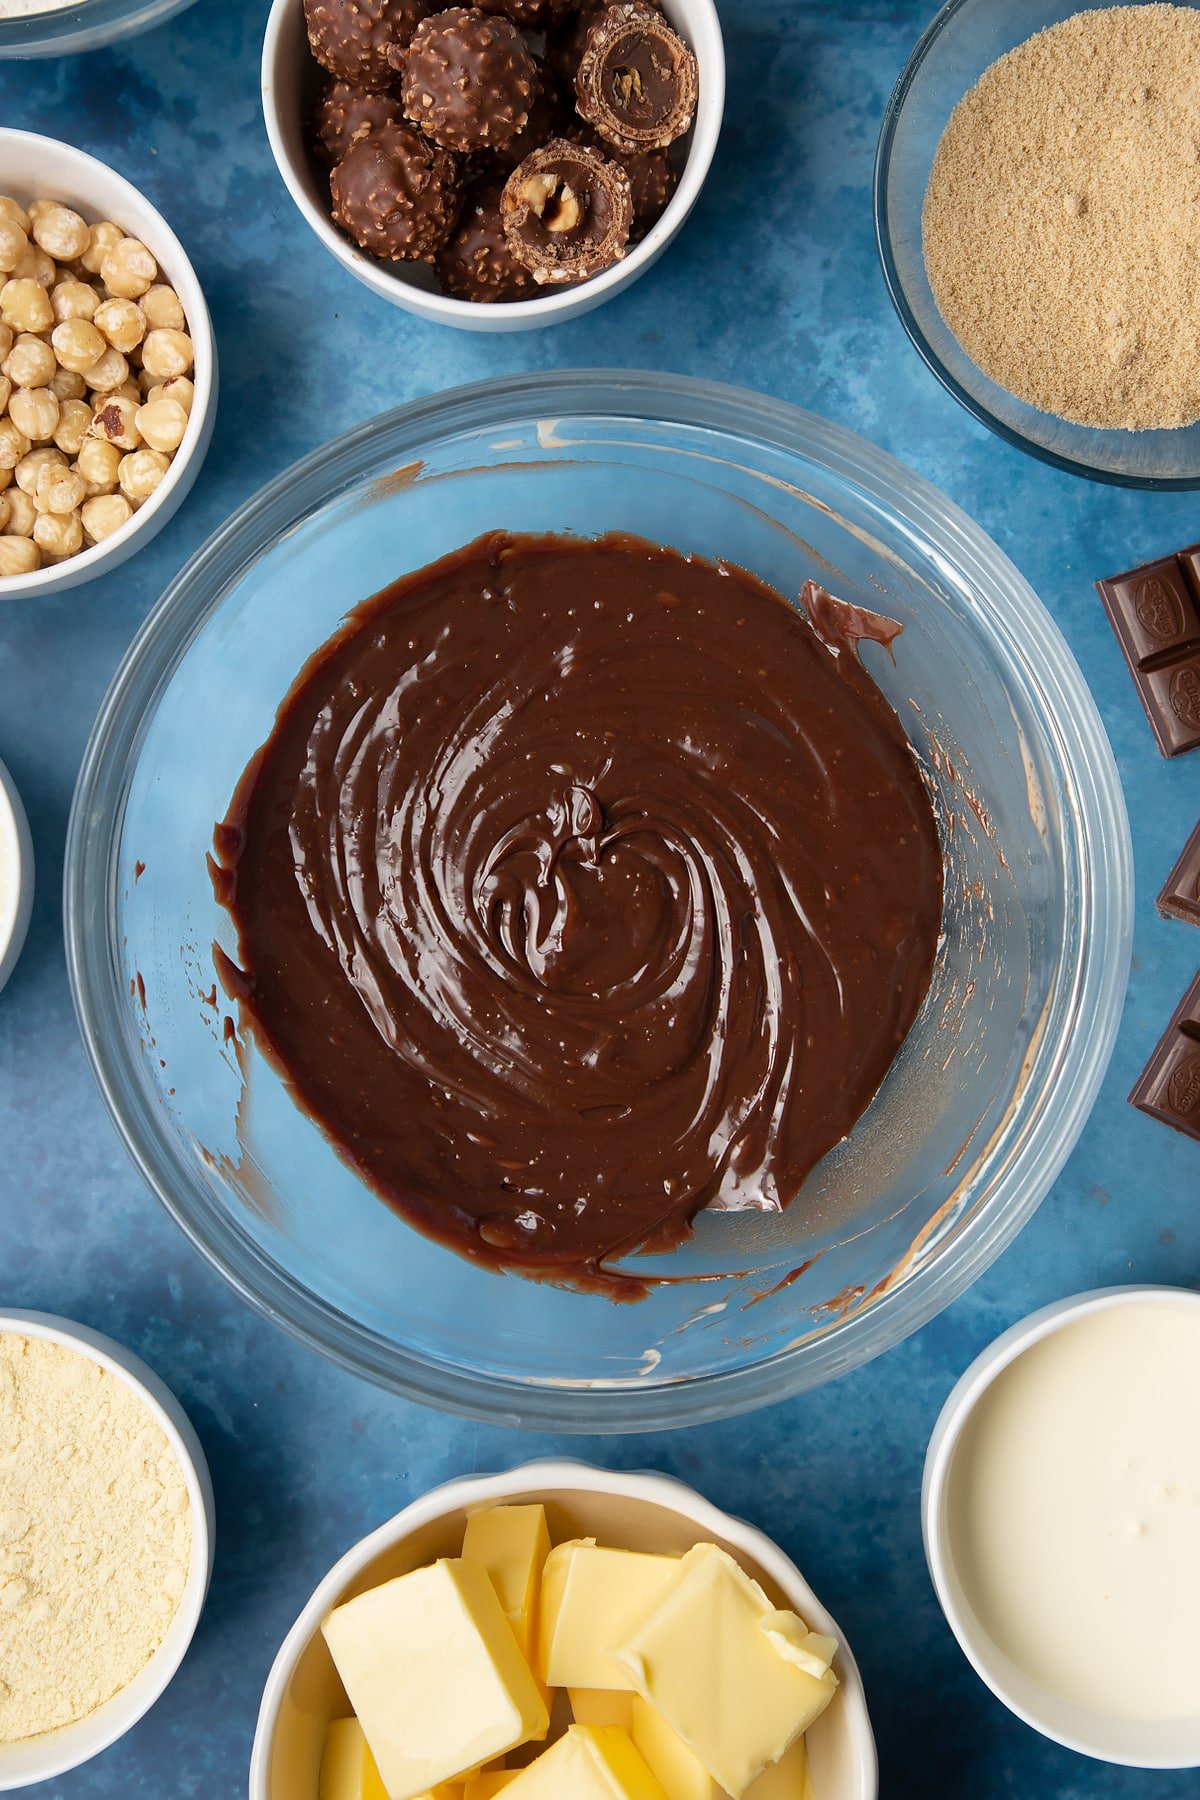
(563, 1630)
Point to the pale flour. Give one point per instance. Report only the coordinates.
(95, 1536)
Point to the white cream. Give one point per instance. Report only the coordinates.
(24, 9)
(1073, 1507)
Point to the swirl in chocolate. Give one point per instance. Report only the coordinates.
(579, 886)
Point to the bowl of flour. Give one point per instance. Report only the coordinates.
(106, 1536)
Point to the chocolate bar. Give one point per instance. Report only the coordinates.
(1169, 1088)
(1155, 612)
(1180, 898)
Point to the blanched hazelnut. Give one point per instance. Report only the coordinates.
(58, 535)
(12, 243)
(108, 373)
(74, 418)
(21, 512)
(32, 464)
(59, 489)
(167, 353)
(25, 305)
(163, 308)
(77, 344)
(13, 445)
(19, 556)
(122, 322)
(176, 387)
(115, 421)
(34, 265)
(103, 515)
(162, 423)
(67, 384)
(59, 231)
(35, 412)
(128, 270)
(140, 473)
(10, 210)
(105, 236)
(30, 362)
(99, 462)
(73, 299)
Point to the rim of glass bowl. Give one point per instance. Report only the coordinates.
(895, 287)
(1090, 989)
(88, 25)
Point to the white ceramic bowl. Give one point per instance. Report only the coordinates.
(42, 1758)
(648, 1512)
(1171, 1744)
(16, 875)
(42, 168)
(290, 81)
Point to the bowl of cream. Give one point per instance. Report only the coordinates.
(16, 875)
(1061, 1513)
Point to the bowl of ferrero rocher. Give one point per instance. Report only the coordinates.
(496, 166)
(107, 368)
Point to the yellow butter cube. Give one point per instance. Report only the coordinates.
(678, 1770)
(590, 1598)
(434, 1674)
(589, 1762)
(488, 1782)
(348, 1769)
(512, 1543)
(787, 1779)
(601, 1706)
(702, 1658)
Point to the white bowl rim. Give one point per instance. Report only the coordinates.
(15, 837)
(564, 1474)
(90, 562)
(960, 1404)
(71, 1745)
(546, 309)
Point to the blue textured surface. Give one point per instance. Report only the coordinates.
(774, 284)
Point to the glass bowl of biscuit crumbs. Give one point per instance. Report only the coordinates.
(1034, 185)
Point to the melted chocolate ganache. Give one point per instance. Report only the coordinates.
(579, 886)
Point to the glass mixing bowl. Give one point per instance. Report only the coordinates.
(980, 1108)
(86, 25)
(963, 40)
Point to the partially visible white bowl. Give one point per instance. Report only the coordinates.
(82, 25)
(644, 1512)
(42, 168)
(1152, 1744)
(43, 1758)
(16, 875)
(290, 81)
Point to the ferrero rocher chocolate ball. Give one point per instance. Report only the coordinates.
(469, 80)
(397, 195)
(343, 114)
(351, 38)
(477, 263)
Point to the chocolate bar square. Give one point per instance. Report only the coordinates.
(1180, 898)
(1169, 1088)
(1155, 612)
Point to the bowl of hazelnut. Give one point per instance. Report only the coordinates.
(496, 166)
(108, 378)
